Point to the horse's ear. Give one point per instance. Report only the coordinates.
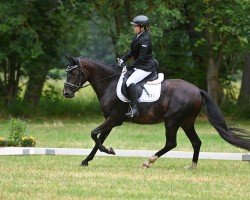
(67, 56)
(71, 58)
(75, 60)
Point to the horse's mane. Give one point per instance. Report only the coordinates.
(100, 62)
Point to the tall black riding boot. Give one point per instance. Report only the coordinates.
(134, 111)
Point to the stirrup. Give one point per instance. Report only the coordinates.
(132, 114)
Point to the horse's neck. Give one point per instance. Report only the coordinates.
(98, 71)
(102, 87)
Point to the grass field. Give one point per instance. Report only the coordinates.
(59, 177)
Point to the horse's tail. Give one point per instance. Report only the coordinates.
(235, 136)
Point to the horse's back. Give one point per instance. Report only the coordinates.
(181, 87)
(182, 96)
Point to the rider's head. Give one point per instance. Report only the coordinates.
(140, 23)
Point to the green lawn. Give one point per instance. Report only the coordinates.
(59, 177)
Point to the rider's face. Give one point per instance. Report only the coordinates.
(136, 29)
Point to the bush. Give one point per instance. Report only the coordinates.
(28, 142)
(17, 128)
(17, 137)
(53, 104)
(3, 142)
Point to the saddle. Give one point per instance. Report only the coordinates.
(148, 89)
(139, 86)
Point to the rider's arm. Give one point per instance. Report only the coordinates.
(127, 56)
(144, 45)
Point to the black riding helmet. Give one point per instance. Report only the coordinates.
(140, 20)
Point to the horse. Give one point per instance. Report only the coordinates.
(179, 104)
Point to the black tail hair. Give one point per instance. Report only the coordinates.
(235, 136)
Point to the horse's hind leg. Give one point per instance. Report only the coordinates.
(171, 131)
(196, 143)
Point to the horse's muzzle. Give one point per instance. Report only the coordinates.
(68, 93)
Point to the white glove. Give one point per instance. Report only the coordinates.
(120, 62)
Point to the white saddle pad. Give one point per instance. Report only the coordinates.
(153, 88)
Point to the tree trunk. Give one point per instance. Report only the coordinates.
(127, 7)
(35, 84)
(17, 74)
(244, 97)
(213, 84)
(117, 18)
(11, 78)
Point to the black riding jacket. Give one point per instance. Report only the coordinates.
(141, 51)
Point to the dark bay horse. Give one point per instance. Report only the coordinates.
(178, 106)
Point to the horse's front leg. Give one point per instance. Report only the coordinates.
(91, 155)
(105, 128)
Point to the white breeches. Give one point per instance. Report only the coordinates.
(137, 76)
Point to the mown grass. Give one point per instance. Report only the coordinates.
(59, 177)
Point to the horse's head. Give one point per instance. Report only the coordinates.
(75, 77)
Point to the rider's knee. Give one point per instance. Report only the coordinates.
(128, 83)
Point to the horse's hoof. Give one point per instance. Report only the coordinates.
(146, 165)
(191, 167)
(111, 151)
(152, 159)
(84, 164)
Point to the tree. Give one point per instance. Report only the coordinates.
(47, 19)
(34, 35)
(18, 44)
(191, 39)
(244, 97)
(171, 33)
(223, 25)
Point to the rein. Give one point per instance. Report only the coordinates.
(101, 79)
(77, 87)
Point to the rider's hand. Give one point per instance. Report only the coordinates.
(120, 62)
(130, 67)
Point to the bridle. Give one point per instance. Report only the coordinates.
(78, 85)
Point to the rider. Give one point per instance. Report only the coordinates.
(144, 63)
